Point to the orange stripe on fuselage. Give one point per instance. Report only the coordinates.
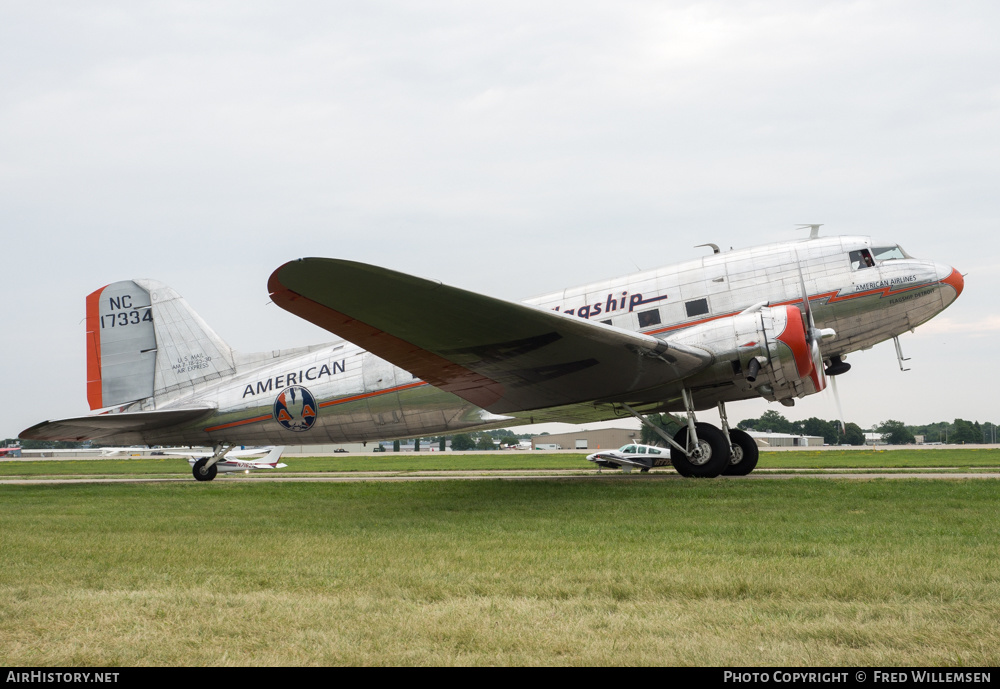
(831, 297)
(95, 391)
(342, 400)
(355, 398)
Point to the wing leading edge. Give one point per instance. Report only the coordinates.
(501, 356)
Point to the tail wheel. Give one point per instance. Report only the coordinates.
(708, 460)
(203, 473)
(743, 455)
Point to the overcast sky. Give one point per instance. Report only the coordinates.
(510, 148)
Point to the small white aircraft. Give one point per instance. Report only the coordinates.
(422, 358)
(232, 462)
(116, 451)
(633, 455)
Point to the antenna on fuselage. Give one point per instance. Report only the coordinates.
(814, 229)
(715, 247)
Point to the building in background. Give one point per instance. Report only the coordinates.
(768, 439)
(603, 439)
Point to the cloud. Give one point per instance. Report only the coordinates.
(943, 325)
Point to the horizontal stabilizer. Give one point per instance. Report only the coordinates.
(102, 425)
(499, 355)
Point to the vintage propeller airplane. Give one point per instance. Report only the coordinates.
(422, 358)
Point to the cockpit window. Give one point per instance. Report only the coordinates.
(628, 449)
(861, 259)
(887, 253)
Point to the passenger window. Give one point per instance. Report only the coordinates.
(642, 450)
(648, 318)
(653, 451)
(861, 259)
(696, 307)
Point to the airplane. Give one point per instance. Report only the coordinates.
(629, 456)
(419, 357)
(134, 450)
(231, 462)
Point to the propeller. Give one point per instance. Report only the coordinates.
(813, 334)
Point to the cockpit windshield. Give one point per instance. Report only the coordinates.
(889, 252)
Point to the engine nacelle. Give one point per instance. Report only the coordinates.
(775, 337)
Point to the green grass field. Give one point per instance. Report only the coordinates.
(616, 571)
(499, 461)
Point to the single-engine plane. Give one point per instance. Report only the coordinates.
(422, 358)
(235, 461)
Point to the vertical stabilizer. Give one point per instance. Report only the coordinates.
(144, 341)
(188, 350)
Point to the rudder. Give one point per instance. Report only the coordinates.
(121, 345)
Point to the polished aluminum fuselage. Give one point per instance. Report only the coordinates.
(361, 397)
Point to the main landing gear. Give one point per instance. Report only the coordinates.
(700, 450)
(204, 469)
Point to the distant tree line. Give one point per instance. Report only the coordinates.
(773, 422)
(893, 432)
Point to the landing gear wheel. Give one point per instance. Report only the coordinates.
(743, 457)
(708, 460)
(202, 473)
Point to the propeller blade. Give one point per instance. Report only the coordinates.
(805, 295)
(819, 373)
(813, 334)
(840, 410)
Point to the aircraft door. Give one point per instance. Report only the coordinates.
(383, 402)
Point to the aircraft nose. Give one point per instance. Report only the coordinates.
(950, 276)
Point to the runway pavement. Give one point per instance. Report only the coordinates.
(354, 477)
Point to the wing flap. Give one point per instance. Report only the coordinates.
(499, 355)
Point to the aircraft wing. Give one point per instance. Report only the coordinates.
(101, 425)
(499, 355)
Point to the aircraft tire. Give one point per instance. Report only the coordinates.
(715, 451)
(744, 454)
(208, 474)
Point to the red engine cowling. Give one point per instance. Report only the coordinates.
(776, 338)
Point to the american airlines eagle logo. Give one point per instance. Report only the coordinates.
(295, 409)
